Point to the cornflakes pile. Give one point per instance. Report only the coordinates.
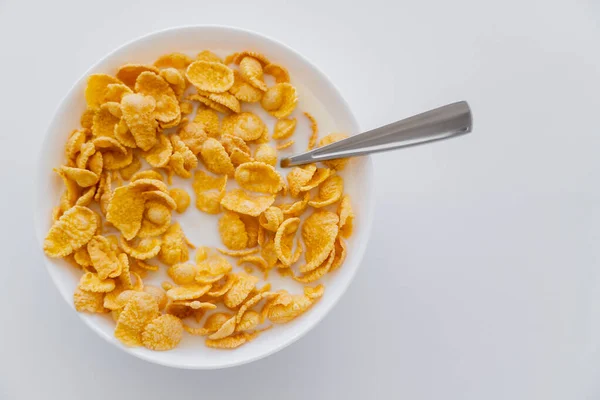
(185, 116)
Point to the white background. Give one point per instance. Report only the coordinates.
(482, 277)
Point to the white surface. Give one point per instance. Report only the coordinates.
(481, 280)
(316, 96)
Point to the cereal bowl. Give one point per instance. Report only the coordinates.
(316, 95)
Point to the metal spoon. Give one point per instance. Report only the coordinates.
(446, 122)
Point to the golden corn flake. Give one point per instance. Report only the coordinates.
(148, 184)
(209, 120)
(339, 163)
(231, 143)
(252, 71)
(182, 199)
(90, 282)
(299, 177)
(238, 57)
(183, 273)
(330, 191)
(124, 135)
(96, 86)
(271, 218)
(241, 202)
(251, 303)
(193, 135)
(319, 231)
(207, 55)
(173, 60)
(160, 197)
(147, 174)
(210, 76)
(114, 108)
(278, 72)
(215, 157)
(346, 215)
(259, 177)
(285, 145)
(174, 247)
(231, 342)
(284, 128)
(156, 219)
(114, 94)
(252, 227)
(86, 118)
(280, 100)
(86, 151)
(209, 191)
(225, 330)
(244, 91)
(104, 122)
(238, 253)
(233, 231)
(128, 171)
(167, 106)
(320, 175)
(340, 254)
(225, 99)
(208, 102)
(244, 284)
(158, 156)
(215, 321)
(138, 113)
(73, 230)
(318, 272)
(163, 333)
(183, 153)
(76, 140)
(188, 292)
(257, 261)
(281, 314)
(128, 73)
(92, 302)
(249, 321)
(105, 143)
(103, 257)
(83, 177)
(266, 154)
(112, 160)
(125, 211)
(140, 310)
(312, 141)
(284, 240)
(176, 80)
(212, 268)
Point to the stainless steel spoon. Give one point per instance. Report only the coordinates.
(446, 122)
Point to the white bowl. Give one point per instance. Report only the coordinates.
(317, 95)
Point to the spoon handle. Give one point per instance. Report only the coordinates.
(445, 122)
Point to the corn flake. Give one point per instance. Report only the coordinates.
(73, 230)
(330, 191)
(259, 177)
(209, 191)
(210, 76)
(138, 113)
(280, 100)
(252, 71)
(163, 333)
(244, 91)
(278, 72)
(337, 164)
(96, 86)
(174, 247)
(319, 232)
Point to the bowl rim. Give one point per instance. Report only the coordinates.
(366, 228)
